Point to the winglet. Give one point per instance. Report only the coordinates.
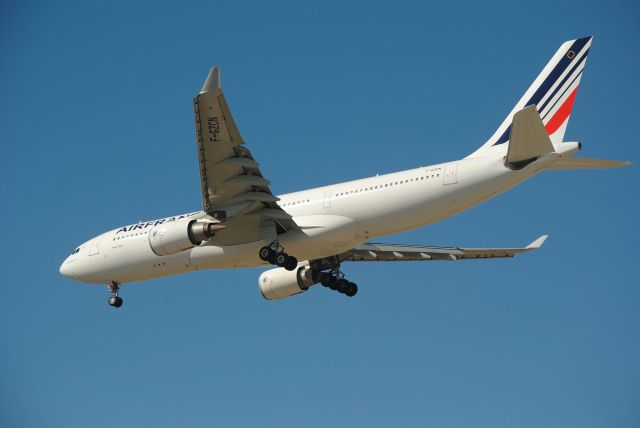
(537, 243)
(213, 80)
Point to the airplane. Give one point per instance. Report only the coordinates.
(243, 224)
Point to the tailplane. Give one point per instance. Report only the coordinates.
(529, 140)
(552, 93)
(565, 163)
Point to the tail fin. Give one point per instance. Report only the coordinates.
(552, 92)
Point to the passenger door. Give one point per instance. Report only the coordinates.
(327, 199)
(450, 174)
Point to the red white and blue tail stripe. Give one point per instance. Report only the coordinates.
(552, 92)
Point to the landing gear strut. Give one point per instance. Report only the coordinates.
(274, 254)
(114, 300)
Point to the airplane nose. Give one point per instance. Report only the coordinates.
(65, 269)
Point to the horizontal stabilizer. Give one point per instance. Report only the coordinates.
(585, 163)
(529, 139)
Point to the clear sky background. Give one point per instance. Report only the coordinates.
(96, 130)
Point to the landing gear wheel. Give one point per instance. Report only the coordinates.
(333, 283)
(290, 263)
(341, 285)
(351, 289)
(267, 254)
(281, 259)
(115, 301)
(326, 279)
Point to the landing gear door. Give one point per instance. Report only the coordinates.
(327, 199)
(450, 174)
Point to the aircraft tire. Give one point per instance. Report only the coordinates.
(351, 289)
(325, 279)
(266, 254)
(115, 301)
(290, 263)
(281, 258)
(341, 285)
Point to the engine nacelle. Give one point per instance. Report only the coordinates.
(279, 283)
(171, 238)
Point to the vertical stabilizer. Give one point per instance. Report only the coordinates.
(552, 93)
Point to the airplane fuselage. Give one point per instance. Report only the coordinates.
(332, 219)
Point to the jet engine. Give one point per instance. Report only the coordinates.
(279, 283)
(171, 238)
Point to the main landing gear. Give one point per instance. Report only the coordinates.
(336, 281)
(327, 272)
(274, 254)
(115, 300)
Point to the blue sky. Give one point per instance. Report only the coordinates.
(96, 130)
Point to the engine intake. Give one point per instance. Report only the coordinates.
(279, 283)
(170, 238)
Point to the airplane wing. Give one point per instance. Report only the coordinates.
(233, 188)
(371, 252)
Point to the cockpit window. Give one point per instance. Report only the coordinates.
(76, 251)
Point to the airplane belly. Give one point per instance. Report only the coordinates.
(319, 236)
(208, 256)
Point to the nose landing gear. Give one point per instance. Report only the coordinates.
(115, 300)
(274, 254)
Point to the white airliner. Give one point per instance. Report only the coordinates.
(244, 225)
